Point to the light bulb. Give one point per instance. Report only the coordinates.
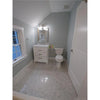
(45, 28)
(40, 27)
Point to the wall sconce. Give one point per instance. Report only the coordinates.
(43, 28)
(40, 28)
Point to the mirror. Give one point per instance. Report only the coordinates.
(43, 35)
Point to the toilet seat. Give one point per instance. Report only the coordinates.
(59, 58)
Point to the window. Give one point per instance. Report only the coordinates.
(19, 49)
(16, 46)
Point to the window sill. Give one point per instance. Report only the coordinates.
(19, 60)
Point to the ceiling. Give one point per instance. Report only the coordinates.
(34, 11)
(61, 5)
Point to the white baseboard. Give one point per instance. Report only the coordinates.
(21, 73)
(21, 96)
(74, 80)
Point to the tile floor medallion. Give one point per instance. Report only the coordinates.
(47, 81)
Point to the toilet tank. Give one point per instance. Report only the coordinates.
(59, 51)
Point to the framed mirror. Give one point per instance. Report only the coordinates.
(43, 35)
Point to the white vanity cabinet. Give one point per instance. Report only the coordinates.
(41, 53)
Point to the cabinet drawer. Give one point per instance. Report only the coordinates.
(41, 54)
(41, 59)
(39, 49)
(38, 55)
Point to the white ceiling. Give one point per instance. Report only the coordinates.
(58, 5)
(34, 11)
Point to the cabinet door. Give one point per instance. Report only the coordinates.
(41, 54)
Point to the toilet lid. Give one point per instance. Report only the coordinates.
(59, 57)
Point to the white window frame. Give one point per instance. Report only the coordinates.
(21, 39)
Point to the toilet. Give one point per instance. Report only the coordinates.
(59, 57)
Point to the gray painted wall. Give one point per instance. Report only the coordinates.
(58, 30)
(71, 30)
(29, 34)
(58, 24)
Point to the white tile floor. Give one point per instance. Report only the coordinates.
(48, 82)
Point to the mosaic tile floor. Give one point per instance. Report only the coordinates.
(47, 81)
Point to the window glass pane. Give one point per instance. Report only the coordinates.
(14, 56)
(16, 51)
(16, 47)
(19, 50)
(15, 37)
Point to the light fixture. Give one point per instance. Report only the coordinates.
(40, 28)
(43, 28)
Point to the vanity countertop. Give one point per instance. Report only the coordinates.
(42, 45)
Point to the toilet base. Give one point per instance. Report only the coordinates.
(58, 65)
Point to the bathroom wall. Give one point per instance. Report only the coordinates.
(58, 24)
(29, 33)
(71, 30)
